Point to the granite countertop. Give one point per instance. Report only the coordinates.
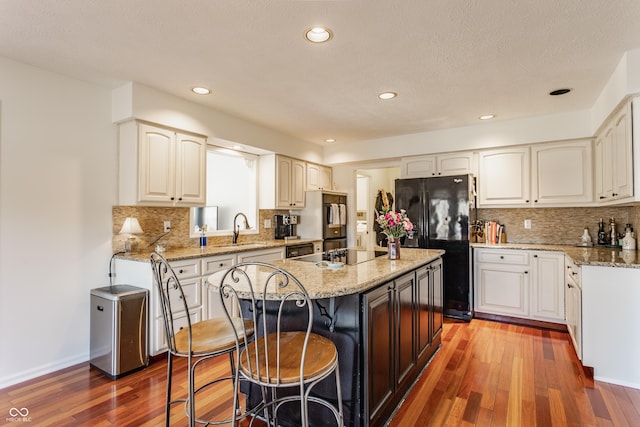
(581, 255)
(177, 254)
(323, 282)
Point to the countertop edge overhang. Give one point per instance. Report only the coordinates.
(581, 255)
(322, 282)
(179, 254)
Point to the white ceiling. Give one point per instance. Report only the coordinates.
(450, 60)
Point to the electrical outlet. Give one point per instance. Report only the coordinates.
(267, 223)
(167, 226)
(527, 224)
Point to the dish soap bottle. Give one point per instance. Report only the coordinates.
(586, 238)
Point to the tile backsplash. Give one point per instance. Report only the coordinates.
(558, 225)
(151, 221)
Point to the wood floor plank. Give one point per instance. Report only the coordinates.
(485, 374)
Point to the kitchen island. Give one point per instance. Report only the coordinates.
(385, 318)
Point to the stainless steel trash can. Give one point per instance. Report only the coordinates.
(119, 319)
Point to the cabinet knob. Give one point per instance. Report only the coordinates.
(173, 198)
(439, 173)
(569, 285)
(535, 201)
(222, 264)
(179, 199)
(614, 194)
(526, 201)
(602, 197)
(526, 272)
(574, 273)
(535, 256)
(433, 173)
(501, 257)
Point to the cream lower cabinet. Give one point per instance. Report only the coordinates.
(517, 283)
(203, 302)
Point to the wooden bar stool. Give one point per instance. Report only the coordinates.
(195, 341)
(279, 359)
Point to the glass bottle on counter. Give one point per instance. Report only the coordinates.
(602, 235)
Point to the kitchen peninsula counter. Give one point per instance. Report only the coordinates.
(581, 255)
(178, 254)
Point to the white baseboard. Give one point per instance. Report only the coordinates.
(29, 374)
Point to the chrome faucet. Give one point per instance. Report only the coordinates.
(236, 228)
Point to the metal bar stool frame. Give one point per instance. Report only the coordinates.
(235, 285)
(168, 285)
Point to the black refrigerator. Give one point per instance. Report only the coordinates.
(439, 209)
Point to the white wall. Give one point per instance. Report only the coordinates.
(57, 186)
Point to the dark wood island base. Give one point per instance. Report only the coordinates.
(385, 335)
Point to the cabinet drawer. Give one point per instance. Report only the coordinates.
(212, 264)
(192, 293)
(187, 268)
(502, 256)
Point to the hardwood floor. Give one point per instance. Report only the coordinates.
(486, 374)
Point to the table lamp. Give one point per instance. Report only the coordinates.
(131, 226)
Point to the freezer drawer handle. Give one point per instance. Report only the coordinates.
(100, 308)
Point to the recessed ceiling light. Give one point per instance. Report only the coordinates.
(559, 92)
(237, 147)
(487, 117)
(387, 95)
(329, 140)
(318, 34)
(201, 90)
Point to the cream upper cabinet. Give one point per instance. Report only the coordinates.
(161, 167)
(561, 173)
(614, 158)
(319, 177)
(504, 178)
(282, 182)
(290, 182)
(447, 164)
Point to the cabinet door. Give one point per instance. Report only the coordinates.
(284, 175)
(504, 177)
(423, 309)
(573, 296)
(502, 289)
(264, 255)
(210, 265)
(405, 330)
(547, 288)
(623, 156)
(298, 183)
(437, 291)
(418, 167)
(191, 172)
(156, 164)
(456, 164)
(318, 177)
(379, 352)
(561, 173)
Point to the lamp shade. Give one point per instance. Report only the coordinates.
(131, 226)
